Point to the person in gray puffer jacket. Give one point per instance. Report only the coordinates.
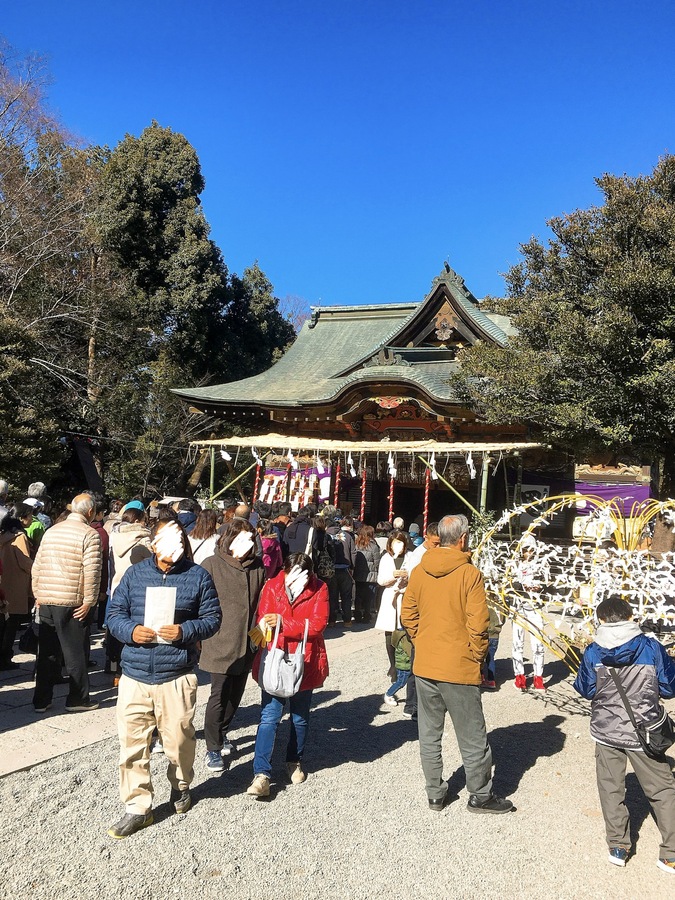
(365, 573)
(646, 673)
(341, 587)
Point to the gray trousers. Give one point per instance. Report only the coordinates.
(658, 784)
(463, 703)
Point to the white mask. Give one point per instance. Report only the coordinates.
(168, 543)
(241, 545)
(397, 548)
(296, 581)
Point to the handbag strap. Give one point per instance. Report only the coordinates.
(625, 701)
(304, 639)
(275, 640)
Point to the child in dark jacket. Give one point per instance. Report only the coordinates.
(646, 673)
(403, 662)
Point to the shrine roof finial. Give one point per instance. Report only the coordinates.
(449, 276)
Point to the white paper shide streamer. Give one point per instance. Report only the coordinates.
(350, 463)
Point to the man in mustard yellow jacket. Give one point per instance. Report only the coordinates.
(446, 615)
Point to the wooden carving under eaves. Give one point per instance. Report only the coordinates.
(406, 415)
(390, 402)
(386, 357)
(446, 322)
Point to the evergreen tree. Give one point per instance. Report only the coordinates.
(111, 294)
(593, 366)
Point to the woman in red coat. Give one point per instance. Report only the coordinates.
(293, 597)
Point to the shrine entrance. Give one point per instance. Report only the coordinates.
(372, 481)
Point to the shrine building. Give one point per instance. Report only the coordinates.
(361, 409)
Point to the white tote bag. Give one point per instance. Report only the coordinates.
(281, 673)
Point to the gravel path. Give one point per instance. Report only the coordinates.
(358, 828)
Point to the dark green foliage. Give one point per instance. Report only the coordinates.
(593, 366)
(257, 331)
(112, 293)
(28, 437)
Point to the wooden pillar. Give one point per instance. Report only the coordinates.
(518, 490)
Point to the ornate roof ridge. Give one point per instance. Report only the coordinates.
(347, 307)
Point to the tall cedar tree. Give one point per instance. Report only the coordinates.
(202, 325)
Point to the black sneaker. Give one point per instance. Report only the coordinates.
(182, 801)
(493, 804)
(618, 856)
(129, 824)
(438, 805)
(214, 761)
(82, 707)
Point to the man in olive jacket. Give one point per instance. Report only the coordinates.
(445, 613)
(238, 574)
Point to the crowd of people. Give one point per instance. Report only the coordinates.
(243, 590)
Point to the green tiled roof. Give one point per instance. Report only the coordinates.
(332, 352)
(341, 336)
(488, 325)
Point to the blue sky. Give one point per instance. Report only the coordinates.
(353, 146)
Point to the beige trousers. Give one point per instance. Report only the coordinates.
(169, 707)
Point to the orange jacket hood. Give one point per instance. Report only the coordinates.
(442, 561)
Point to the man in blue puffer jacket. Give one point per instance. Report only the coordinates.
(158, 687)
(646, 673)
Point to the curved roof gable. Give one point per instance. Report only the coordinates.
(342, 345)
(447, 287)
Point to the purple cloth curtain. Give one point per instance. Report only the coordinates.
(626, 495)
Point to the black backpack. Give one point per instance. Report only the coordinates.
(325, 560)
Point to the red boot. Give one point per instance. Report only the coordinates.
(520, 683)
(538, 683)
